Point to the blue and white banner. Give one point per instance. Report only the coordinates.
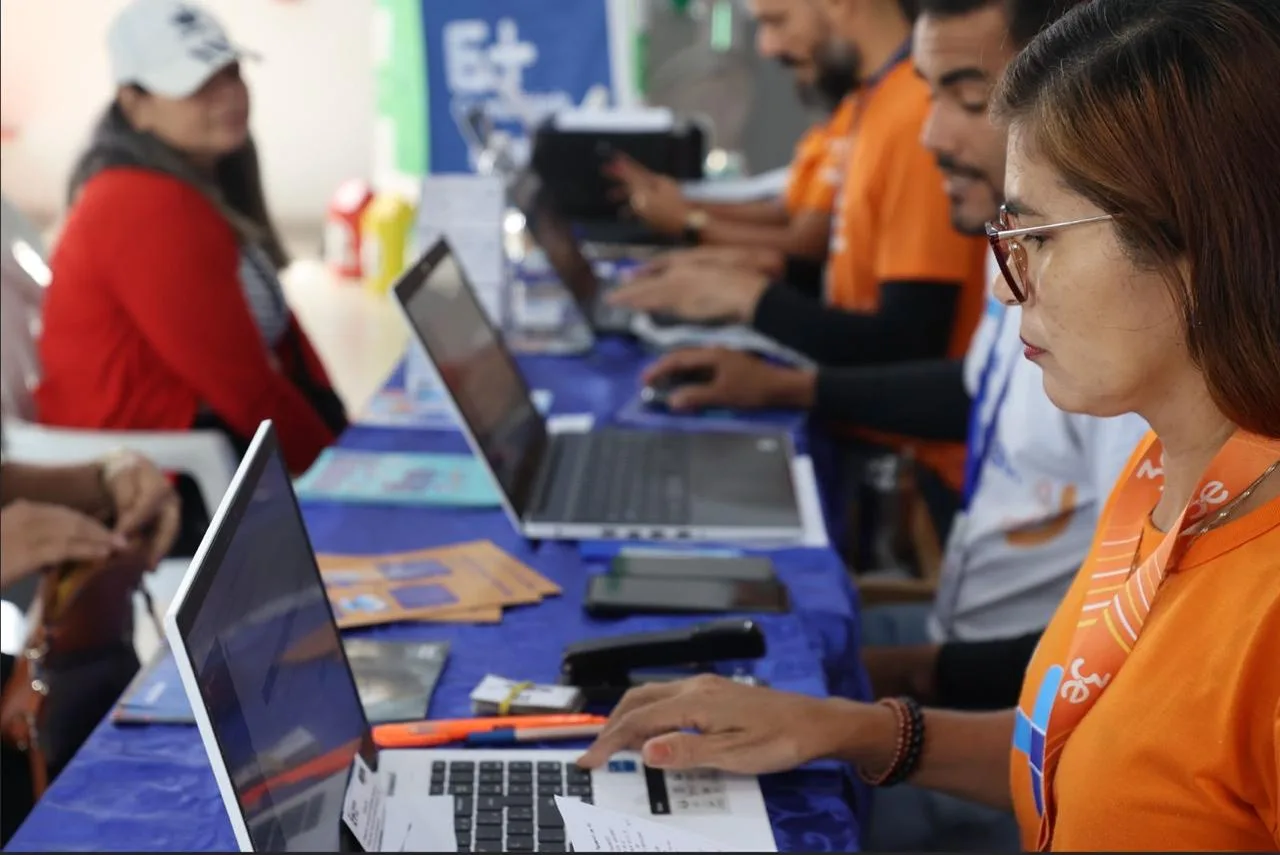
(508, 64)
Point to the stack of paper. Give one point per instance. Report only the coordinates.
(465, 583)
(374, 477)
(499, 696)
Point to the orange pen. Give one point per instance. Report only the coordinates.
(424, 734)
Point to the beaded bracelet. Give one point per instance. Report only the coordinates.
(909, 745)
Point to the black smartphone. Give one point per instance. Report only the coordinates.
(613, 596)
(734, 568)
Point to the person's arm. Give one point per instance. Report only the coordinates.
(958, 675)
(926, 399)
(805, 275)
(965, 754)
(914, 322)
(79, 486)
(712, 722)
(311, 362)
(806, 235)
(769, 212)
(982, 675)
(175, 270)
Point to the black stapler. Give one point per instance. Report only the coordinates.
(604, 668)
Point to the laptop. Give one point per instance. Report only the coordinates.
(610, 483)
(663, 330)
(554, 234)
(275, 702)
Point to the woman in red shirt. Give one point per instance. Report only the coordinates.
(165, 311)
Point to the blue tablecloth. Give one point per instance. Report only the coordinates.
(150, 787)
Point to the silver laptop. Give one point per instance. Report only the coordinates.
(276, 705)
(609, 483)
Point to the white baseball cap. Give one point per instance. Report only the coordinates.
(169, 47)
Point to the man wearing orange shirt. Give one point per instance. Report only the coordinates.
(792, 32)
(900, 284)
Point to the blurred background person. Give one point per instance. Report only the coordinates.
(51, 516)
(762, 234)
(165, 310)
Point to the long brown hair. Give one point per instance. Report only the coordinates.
(1167, 115)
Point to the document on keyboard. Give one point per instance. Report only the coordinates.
(595, 829)
(415, 823)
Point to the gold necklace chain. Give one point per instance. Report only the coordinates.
(1214, 522)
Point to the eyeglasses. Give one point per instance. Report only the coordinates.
(1011, 255)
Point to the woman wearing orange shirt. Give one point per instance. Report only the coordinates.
(1141, 241)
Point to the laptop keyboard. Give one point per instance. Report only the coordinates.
(637, 477)
(509, 806)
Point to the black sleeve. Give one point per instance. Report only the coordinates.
(805, 275)
(914, 322)
(983, 675)
(926, 400)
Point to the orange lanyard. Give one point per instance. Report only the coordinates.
(1120, 597)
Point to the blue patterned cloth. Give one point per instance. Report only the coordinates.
(149, 788)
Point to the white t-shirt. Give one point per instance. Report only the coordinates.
(1011, 558)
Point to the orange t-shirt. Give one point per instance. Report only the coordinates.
(1182, 750)
(893, 218)
(810, 153)
(827, 145)
(893, 222)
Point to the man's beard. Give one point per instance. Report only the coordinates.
(950, 166)
(835, 76)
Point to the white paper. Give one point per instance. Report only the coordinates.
(622, 119)
(571, 423)
(363, 808)
(417, 823)
(810, 500)
(468, 210)
(595, 829)
(465, 199)
(495, 690)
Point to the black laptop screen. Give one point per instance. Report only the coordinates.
(273, 677)
(554, 235)
(477, 369)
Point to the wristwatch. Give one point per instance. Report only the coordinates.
(694, 222)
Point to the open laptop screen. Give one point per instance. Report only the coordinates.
(554, 234)
(478, 371)
(257, 629)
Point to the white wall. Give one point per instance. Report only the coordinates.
(313, 94)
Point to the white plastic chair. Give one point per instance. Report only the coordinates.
(205, 455)
(13, 629)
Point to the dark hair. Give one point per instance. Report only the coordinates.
(235, 187)
(238, 182)
(1166, 116)
(1026, 18)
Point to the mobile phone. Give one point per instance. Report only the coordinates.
(613, 596)
(734, 568)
